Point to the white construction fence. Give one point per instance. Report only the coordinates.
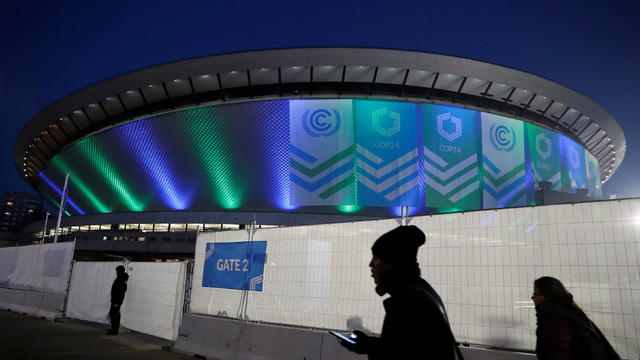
(482, 263)
(34, 279)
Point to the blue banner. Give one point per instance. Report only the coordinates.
(237, 265)
(575, 174)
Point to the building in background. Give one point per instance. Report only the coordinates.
(308, 136)
(19, 209)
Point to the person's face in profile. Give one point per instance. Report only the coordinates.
(537, 297)
(378, 267)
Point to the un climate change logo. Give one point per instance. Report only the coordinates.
(503, 138)
(321, 122)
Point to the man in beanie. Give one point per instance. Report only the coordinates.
(415, 324)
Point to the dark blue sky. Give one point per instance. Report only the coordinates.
(51, 50)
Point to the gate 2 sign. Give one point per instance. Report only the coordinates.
(237, 265)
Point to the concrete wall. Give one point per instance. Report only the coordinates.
(219, 338)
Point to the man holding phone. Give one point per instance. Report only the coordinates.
(415, 323)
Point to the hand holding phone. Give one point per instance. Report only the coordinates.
(350, 339)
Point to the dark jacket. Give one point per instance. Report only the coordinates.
(118, 288)
(414, 327)
(564, 333)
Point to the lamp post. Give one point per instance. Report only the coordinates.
(44, 231)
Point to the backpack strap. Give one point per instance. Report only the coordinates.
(443, 312)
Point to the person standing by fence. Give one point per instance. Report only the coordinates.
(118, 289)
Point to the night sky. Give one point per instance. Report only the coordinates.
(50, 50)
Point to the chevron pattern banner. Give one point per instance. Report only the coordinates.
(451, 158)
(574, 173)
(503, 162)
(387, 150)
(544, 150)
(593, 176)
(321, 152)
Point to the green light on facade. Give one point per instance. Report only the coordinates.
(448, 210)
(205, 128)
(77, 182)
(100, 161)
(349, 208)
(57, 204)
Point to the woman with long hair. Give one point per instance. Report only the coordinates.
(564, 331)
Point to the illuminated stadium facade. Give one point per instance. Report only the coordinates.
(313, 135)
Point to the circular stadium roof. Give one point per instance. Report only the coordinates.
(319, 73)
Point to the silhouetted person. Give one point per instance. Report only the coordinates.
(415, 324)
(118, 289)
(564, 331)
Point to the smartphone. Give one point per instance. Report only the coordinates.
(343, 337)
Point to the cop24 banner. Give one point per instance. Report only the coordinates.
(387, 150)
(236, 265)
(321, 152)
(544, 148)
(503, 162)
(575, 173)
(593, 176)
(451, 157)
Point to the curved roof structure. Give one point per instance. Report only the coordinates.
(321, 73)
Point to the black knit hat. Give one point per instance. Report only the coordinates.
(399, 246)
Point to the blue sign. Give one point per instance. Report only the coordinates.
(237, 265)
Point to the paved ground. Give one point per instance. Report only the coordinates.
(24, 337)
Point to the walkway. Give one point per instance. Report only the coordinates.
(24, 337)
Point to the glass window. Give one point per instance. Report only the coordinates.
(194, 227)
(84, 227)
(132, 227)
(105, 227)
(211, 227)
(141, 238)
(178, 227)
(161, 227)
(146, 227)
(121, 227)
(94, 227)
(230, 226)
(75, 228)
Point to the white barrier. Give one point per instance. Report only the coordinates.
(90, 290)
(34, 279)
(153, 303)
(43, 268)
(482, 263)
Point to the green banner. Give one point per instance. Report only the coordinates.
(451, 158)
(593, 176)
(503, 162)
(544, 148)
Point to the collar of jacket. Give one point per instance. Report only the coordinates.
(396, 279)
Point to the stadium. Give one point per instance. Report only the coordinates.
(312, 135)
(314, 153)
